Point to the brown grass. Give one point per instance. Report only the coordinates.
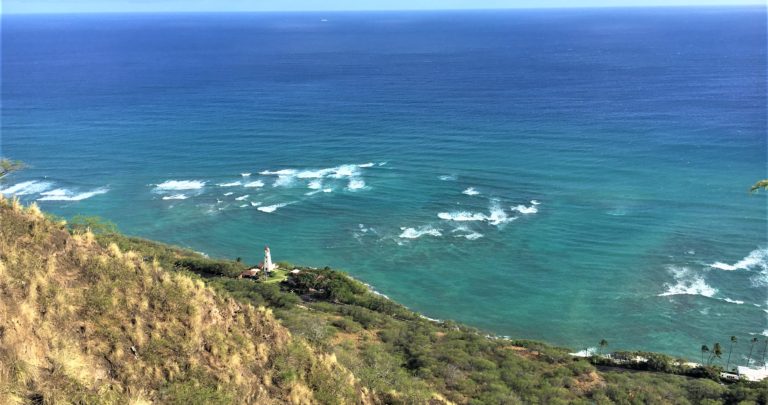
(82, 323)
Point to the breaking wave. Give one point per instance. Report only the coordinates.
(254, 184)
(242, 197)
(345, 171)
(467, 233)
(738, 302)
(355, 184)
(497, 216)
(27, 187)
(273, 208)
(532, 209)
(470, 191)
(687, 283)
(175, 185)
(175, 197)
(447, 177)
(283, 172)
(461, 216)
(287, 177)
(283, 180)
(62, 194)
(314, 174)
(756, 258)
(414, 233)
(230, 184)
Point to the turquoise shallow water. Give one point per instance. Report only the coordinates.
(632, 134)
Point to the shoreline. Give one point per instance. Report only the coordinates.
(175, 306)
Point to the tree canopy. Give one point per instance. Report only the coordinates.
(8, 166)
(760, 184)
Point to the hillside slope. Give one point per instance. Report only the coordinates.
(108, 318)
(88, 324)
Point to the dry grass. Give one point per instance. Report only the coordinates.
(82, 323)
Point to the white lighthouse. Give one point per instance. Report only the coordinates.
(268, 265)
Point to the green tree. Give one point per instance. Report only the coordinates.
(752, 347)
(8, 166)
(603, 345)
(760, 184)
(97, 225)
(704, 349)
(730, 350)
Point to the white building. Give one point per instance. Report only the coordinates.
(268, 265)
(752, 374)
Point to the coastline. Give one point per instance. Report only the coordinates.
(127, 304)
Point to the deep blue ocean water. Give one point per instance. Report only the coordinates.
(565, 175)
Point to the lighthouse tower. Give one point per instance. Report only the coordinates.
(268, 265)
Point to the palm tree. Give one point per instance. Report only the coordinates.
(704, 349)
(717, 351)
(603, 344)
(764, 350)
(749, 358)
(730, 350)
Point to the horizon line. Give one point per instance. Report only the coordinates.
(583, 7)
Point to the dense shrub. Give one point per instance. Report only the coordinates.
(210, 267)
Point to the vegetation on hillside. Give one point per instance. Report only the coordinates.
(107, 318)
(85, 323)
(406, 358)
(8, 166)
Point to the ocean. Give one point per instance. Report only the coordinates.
(561, 175)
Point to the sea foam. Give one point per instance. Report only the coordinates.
(273, 208)
(732, 301)
(230, 184)
(532, 209)
(355, 184)
(314, 174)
(62, 194)
(242, 197)
(175, 185)
(27, 187)
(466, 233)
(756, 258)
(497, 216)
(352, 172)
(254, 184)
(461, 216)
(345, 171)
(687, 283)
(414, 233)
(175, 197)
(470, 191)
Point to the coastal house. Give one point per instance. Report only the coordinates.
(729, 376)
